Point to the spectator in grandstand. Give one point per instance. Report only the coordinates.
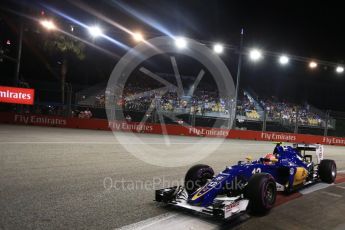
(81, 115)
(180, 122)
(100, 100)
(128, 118)
(73, 113)
(87, 113)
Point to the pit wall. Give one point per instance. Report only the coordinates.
(101, 124)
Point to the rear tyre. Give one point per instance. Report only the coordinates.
(327, 171)
(197, 176)
(261, 192)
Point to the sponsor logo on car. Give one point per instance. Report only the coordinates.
(229, 207)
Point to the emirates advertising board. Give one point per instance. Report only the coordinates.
(17, 95)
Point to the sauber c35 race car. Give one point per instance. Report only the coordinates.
(249, 185)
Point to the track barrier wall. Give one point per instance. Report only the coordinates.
(101, 124)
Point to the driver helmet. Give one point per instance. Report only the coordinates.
(270, 157)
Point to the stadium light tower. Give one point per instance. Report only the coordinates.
(283, 60)
(95, 31)
(181, 42)
(218, 48)
(255, 54)
(238, 78)
(339, 69)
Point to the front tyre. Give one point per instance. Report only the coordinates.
(327, 171)
(197, 176)
(261, 192)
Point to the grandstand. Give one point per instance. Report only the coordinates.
(205, 107)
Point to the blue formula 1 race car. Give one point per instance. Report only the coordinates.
(250, 185)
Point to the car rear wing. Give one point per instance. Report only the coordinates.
(311, 147)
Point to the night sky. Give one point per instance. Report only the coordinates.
(307, 29)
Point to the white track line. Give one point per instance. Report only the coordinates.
(340, 187)
(173, 221)
(314, 188)
(318, 186)
(148, 222)
(332, 194)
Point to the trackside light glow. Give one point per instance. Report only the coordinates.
(312, 65)
(255, 55)
(218, 48)
(95, 31)
(180, 42)
(48, 24)
(284, 60)
(137, 36)
(339, 69)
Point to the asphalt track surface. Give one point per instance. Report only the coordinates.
(54, 178)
